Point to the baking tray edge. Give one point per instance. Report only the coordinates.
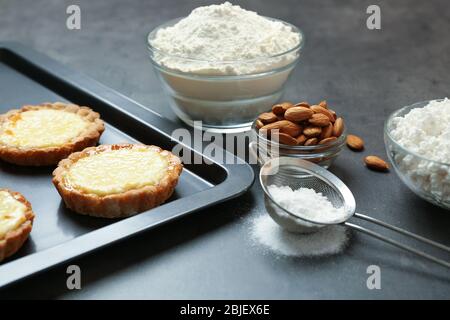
(240, 177)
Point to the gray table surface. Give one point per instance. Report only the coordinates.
(364, 74)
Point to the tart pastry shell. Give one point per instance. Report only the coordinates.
(117, 205)
(14, 239)
(52, 155)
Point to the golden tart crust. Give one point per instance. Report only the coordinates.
(14, 239)
(50, 155)
(115, 203)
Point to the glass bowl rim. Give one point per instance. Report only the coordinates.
(173, 21)
(321, 147)
(395, 114)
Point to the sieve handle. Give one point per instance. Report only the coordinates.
(402, 231)
(400, 245)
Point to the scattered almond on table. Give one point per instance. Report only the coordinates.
(355, 143)
(376, 163)
(301, 124)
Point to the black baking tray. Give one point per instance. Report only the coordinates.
(58, 235)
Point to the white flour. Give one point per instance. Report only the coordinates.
(223, 33)
(426, 132)
(326, 241)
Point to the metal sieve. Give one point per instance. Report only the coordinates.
(298, 173)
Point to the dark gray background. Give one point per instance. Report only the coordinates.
(363, 74)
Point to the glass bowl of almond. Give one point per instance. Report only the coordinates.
(312, 132)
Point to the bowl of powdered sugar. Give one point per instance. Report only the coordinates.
(417, 139)
(224, 65)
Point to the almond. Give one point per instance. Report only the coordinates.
(327, 131)
(322, 110)
(333, 113)
(284, 139)
(272, 126)
(319, 119)
(376, 163)
(267, 117)
(323, 104)
(311, 142)
(258, 124)
(338, 127)
(355, 142)
(284, 126)
(302, 104)
(291, 128)
(327, 140)
(298, 114)
(280, 108)
(312, 131)
(301, 139)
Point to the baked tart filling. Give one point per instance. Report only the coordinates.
(16, 217)
(116, 171)
(117, 180)
(12, 213)
(47, 133)
(42, 128)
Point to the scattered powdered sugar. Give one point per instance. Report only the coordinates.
(326, 241)
(426, 132)
(306, 202)
(224, 33)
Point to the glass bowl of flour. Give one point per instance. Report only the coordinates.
(223, 65)
(417, 139)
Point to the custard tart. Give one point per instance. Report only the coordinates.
(42, 135)
(114, 181)
(16, 221)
